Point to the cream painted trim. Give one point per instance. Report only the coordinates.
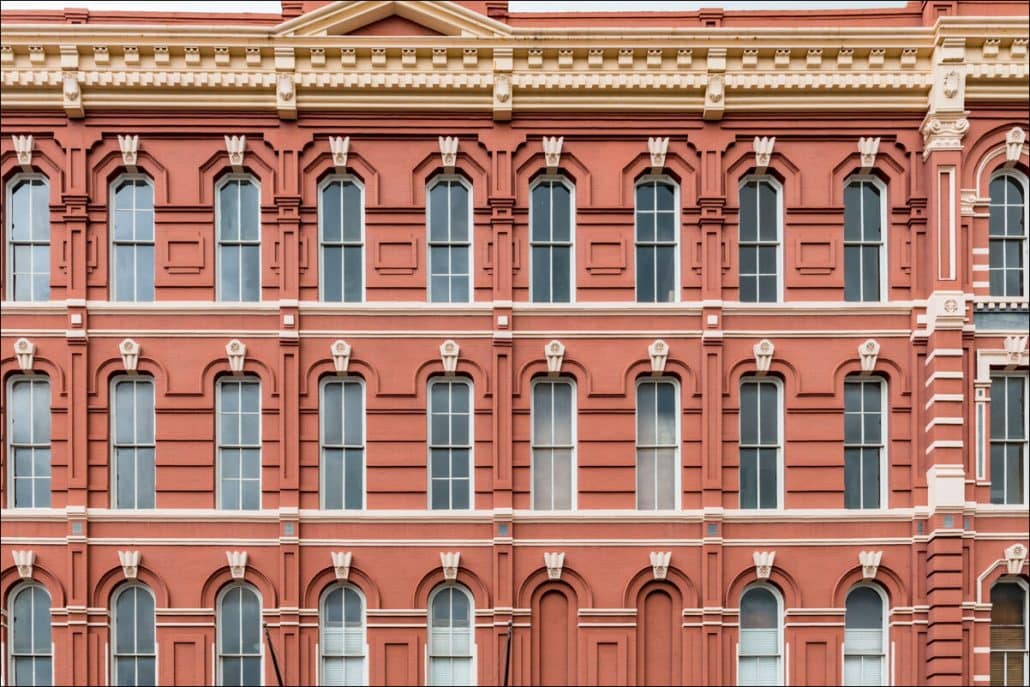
(934, 376)
(945, 398)
(944, 353)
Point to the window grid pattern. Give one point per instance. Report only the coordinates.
(450, 242)
(553, 445)
(657, 445)
(29, 442)
(135, 653)
(759, 661)
(132, 241)
(759, 241)
(342, 243)
(656, 241)
(450, 638)
(239, 241)
(1007, 245)
(132, 433)
(450, 444)
(239, 637)
(760, 444)
(1008, 634)
(863, 241)
(239, 447)
(864, 646)
(1008, 438)
(343, 445)
(343, 638)
(863, 443)
(30, 637)
(29, 240)
(551, 242)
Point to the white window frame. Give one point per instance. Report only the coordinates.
(114, 630)
(884, 630)
(885, 438)
(1023, 181)
(326, 381)
(321, 630)
(471, 444)
(678, 495)
(781, 655)
(567, 183)
(9, 654)
(218, 440)
(884, 229)
(781, 488)
(331, 179)
(574, 434)
(780, 276)
(9, 242)
(219, 655)
(9, 439)
(472, 630)
(224, 180)
(677, 232)
(1022, 583)
(471, 238)
(113, 444)
(996, 373)
(112, 243)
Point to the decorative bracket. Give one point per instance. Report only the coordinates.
(763, 151)
(658, 148)
(71, 94)
(658, 351)
(555, 352)
(552, 152)
(237, 352)
(24, 560)
(1015, 557)
(237, 563)
(23, 149)
(660, 564)
(130, 150)
(763, 350)
(868, 352)
(763, 563)
(130, 355)
(449, 350)
(341, 563)
(1013, 145)
(235, 146)
(449, 562)
(554, 561)
(867, 148)
(448, 152)
(870, 562)
(25, 350)
(340, 147)
(130, 563)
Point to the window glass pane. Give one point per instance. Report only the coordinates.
(251, 622)
(561, 198)
(352, 273)
(459, 212)
(767, 212)
(439, 211)
(769, 413)
(645, 196)
(354, 407)
(645, 274)
(332, 464)
(562, 278)
(251, 273)
(229, 272)
(229, 620)
(332, 412)
(749, 478)
(863, 609)
(645, 227)
(249, 208)
(332, 274)
(853, 478)
(665, 288)
(541, 229)
(21, 209)
(352, 211)
(767, 479)
(332, 212)
(229, 211)
(354, 478)
(758, 610)
(853, 211)
(749, 212)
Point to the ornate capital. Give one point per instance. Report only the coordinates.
(943, 131)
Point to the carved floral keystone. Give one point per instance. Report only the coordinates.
(763, 563)
(237, 563)
(341, 563)
(129, 351)
(660, 564)
(130, 563)
(340, 351)
(555, 352)
(449, 350)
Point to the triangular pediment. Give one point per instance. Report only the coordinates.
(392, 18)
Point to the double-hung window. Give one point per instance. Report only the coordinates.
(760, 236)
(28, 437)
(240, 652)
(132, 240)
(343, 444)
(551, 235)
(1008, 244)
(239, 240)
(1009, 639)
(31, 661)
(657, 240)
(135, 649)
(864, 445)
(1009, 432)
(341, 224)
(239, 444)
(864, 247)
(343, 647)
(554, 445)
(657, 445)
(450, 444)
(760, 652)
(132, 442)
(450, 240)
(865, 648)
(28, 238)
(451, 645)
(761, 443)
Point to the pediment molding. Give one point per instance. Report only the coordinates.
(346, 16)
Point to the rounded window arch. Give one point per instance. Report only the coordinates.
(656, 216)
(760, 651)
(865, 239)
(131, 231)
(552, 238)
(30, 658)
(452, 647)
(865, 636)
(240, 647)
(341, 236)
(1009, 641)
(449, 223)
(238, 238)
(27, 238)
(1008, 244)
(133, 640)
(343, 649)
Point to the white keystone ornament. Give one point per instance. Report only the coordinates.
(237, 563)
(870, 562)
(340, 147)
(23, 149)
(129, 350)
(130, 563)
(763, 146)
(763, 563)
(660, 564)
(340, 351)
(1015, 557)
(657, 147)
(24, 560)
(448, 152)
(555, 352)
(868, 352)
(554, 561)
(235, 147)
(236, 351)
(25, 350)
(130, 150)
(552, 151)
(658, 351)
(449, 350)
(1013, 145)
(867, 148)
(341, 563)
(449, 561)
(1015, 348)
(763, 350)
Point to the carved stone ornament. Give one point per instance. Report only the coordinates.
(237, 563)
(868, 352)
(130, 563)
(129, 350)
(23, 149)
(237, 352)
(716, 88)
(25, 350)
(943, 132)
(1014, 140)
(285, 90)
(660, 564)
(1015, 557)
(870, 562)
(340, 146)
(763, 151)
(448, 152)
(867, 148)
(658, 148)
(449, 350)
(763, 563)
(341, 563)
(555, 352)
(71, 91)
(24, 560)
(449, 561)
(130, 150)
(950, 84)
(1015, 349)
(763, 350)
(658, 351)
(552, 151)
(340, 351)
(502, 88)
(235, 146)
(554, 561)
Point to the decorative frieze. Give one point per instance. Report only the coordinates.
(555, 353)
(763, 563)
(870, 562)
(130, 563)
(341, 564)
(449, 350)
(660, 564)
(129, 351)
(340, 350)
(25, 351)
(449, 561)
(554, 561)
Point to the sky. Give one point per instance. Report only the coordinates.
(273, 6)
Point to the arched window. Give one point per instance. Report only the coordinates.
(342, 644)
(238, 213)
(761, 442)
(865, 445)
(450, 444)
(865, 252)
(28, 442)
(1008, 633)
(657, 445)
(239, 443)
(28, 238)
(554, 444)
(343, 444)
(240, 651)
(449, 210)
(761, 637)
(132, 239)
(132, 442)
(761, 233)
(552, 233)
(134, 645)
(451, 645)
(657, 240)
(1008, 234)
(341, 223)
(865, 640)
(31, 658)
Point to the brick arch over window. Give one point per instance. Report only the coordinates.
(114, 578)
(740, 163)
(779, 578)
(555, 618)
(252, 367)
(675, 577)
(529, 163)
(106, 166)
(434, 579)
(316, 163)
(659, 631)
(886, 369)
(537, 367)
(324, 368)
(472, 163)
(995, 572)
(675, 368)
(41, 574)
(467, 368)
(680, 169)
(780, 369)
(892, 584)
(539, 578)
(222, 577)
(986, 156)
(47, 159)
(105, 371)
(259, 161)
(325, 579)
(891, 168)
(44, 367)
